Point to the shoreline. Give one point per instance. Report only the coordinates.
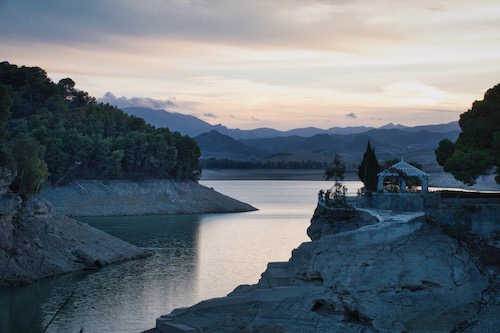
(318, 287)
(131, 198)
(38, 242)
(436, 180)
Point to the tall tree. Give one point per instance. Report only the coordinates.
(336, 171)
(477, 149)
(369, 168)
(31, 168)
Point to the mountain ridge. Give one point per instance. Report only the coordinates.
(391, 141)
(193, 126)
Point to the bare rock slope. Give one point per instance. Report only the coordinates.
(149, 197)
(39, 242)
(397, 275)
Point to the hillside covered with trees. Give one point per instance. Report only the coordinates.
(54, 131)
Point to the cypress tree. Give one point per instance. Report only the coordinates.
(368, 169)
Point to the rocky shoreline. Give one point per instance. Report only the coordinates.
(148, 197)
(39, 240)
(395, 273)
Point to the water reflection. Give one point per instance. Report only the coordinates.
(195, 257)
(129, 293)
(21, 307)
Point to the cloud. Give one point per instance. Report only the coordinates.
(316, 23)
(209, 115)
(413, 93)
(271, 59)
(320, 24)
(144, 102)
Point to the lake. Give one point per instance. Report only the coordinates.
(195, 257)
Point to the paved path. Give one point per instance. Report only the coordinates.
(391, 216)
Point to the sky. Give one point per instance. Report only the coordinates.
(266, 63)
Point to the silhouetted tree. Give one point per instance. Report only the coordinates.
(369, 168)
(477, 149)
(338, 192)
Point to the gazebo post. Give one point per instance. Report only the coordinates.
(425, 184)
(380, 184)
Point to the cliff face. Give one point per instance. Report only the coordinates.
(37, 242)
(393, 280)
(396, 275)
(472, 212)
(154, 197)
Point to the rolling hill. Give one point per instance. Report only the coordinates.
(388, 143)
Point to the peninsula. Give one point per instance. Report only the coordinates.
(373, 270)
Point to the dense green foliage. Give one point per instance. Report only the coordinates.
(369, 168)
(56, 131)
(477, 149)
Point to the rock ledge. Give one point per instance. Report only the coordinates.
(396, 275)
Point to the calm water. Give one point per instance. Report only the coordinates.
(195, 257)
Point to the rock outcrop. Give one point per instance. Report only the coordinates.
(329, 222)
(149, 197)
(397, 275)
(460, 212)
(38, 242)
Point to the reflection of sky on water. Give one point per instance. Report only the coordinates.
(132, 293)
(195, 257)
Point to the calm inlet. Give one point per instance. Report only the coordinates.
(195, 257)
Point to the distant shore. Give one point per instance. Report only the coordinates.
(441, 179)
(267, 174)
(148, 197)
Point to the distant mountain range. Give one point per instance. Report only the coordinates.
(390, 141)
(184, 124)
(193, 126)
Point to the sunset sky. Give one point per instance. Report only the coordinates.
(267, 63)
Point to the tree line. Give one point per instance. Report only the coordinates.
(57, 132)
(212, 163)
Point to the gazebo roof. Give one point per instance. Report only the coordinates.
(405, 168)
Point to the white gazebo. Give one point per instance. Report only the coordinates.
(402, 170)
